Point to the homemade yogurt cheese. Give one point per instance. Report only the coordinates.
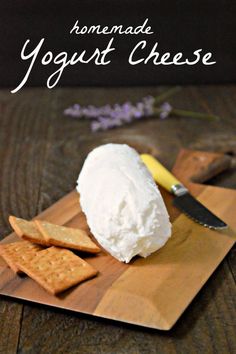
(123, 206)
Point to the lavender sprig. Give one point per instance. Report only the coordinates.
(104, 123)
(125, 111)
(108, 117)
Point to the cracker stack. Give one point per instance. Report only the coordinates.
(54, 268)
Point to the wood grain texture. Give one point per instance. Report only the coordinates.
(164, 283)
(10, 314)
(61, 145)
(20, 179)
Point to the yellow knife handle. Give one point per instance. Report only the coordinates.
(161, 175)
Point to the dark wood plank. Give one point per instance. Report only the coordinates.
(10, 323)
(23, 140)
(208, 325)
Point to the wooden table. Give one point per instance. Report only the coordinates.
(41, 153)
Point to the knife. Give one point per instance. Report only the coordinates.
(183, 199)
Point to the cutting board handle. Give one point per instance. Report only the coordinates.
(199, 166)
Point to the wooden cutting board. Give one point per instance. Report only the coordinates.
(151, 292)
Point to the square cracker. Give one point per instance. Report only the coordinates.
(18, 251)
(57, 269)
(27, 230)
(68, 237)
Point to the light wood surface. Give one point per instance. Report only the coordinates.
(151, 292)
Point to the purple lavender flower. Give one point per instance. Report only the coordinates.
(107, 117)
(166, 109)
(143, 108)
(104, 123)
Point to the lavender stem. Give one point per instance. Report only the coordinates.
(190, 114)
(163, 96)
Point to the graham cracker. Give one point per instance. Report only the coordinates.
(57, 269)
(27, 230)
(62, 236)
(18, 251)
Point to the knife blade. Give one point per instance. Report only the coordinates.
(198, 212)
(183, 200)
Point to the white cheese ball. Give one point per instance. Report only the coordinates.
(124, 208)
